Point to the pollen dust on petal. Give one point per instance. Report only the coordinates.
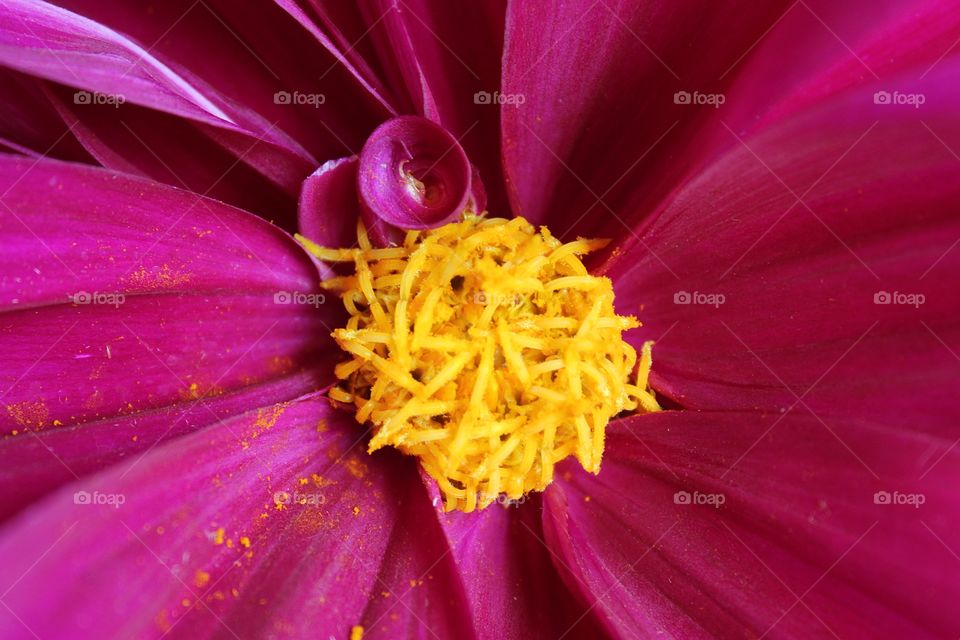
(266, 418)
(164, 277)
(201, 578)
(29, 414)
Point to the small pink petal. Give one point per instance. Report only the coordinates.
(413, 174)
(329, 205)
(504, 563)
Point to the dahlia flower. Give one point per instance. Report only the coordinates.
(527, 319)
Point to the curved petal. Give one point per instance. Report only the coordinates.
(459, 48)
(666, 84)
(250, 527)
(436, 60)
(837, 47)
(124, 302)
(726, 525)
(287, 84)
(115, 73)
(52, 43)
(369, 39)
(412, 174)
(29, 124)
(255, 175)
(153, 75)
(507, 573)
(608, 130)
(817, 257)
(329, 205)
(815, 52)
(38, 460)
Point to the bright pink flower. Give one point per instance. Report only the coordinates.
(781, 183)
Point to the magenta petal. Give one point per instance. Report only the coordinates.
(53, 43)
(412, 174)
(256, 175)
(344, 49)
(478, 193)
(36, 462)
(418, 593)
(288, 82)
(425, 58)
(372, 38)
(251, 525)
(29, 124)
(195, 51)
(459, 48)
(123, 300)
(592, 115)
(799, 317)
(743, 525)
(397, 56)
(69, 225)
(891, 40)
(508, 576)
(832, 48)
(329, 205)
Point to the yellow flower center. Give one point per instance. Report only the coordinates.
(486, 349)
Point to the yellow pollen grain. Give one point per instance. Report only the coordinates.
(29, 414)
(486, 349)
(356, 633)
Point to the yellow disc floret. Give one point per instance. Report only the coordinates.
(486, 349)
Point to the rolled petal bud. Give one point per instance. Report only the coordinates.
(413, 174)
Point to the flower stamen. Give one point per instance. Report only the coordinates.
(486, 349)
